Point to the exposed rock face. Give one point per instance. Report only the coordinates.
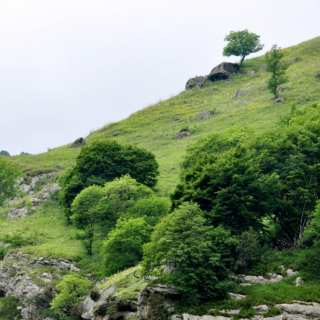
(27, 187)
(261, 308)
(251, 72)
(17, 213)
(181, 135)
(223, 71)
(235, 296)
(60, 264)
(89, 305)
(206, 114)
(239, 93)
(312, 310)
(262, 67)
(78, 143)
(196, 83)
(14, 281)
(168, 293)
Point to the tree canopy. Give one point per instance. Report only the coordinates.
(104, 161)
(241, 44)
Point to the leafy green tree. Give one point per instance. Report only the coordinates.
(102, 162)
(9, 173)
(198, 254)
(230, 189)
(276, 68)
(241, 44)
(120, 195)
(152, 210)
(8, 308)
(71, 289)
(123, 248)
(85, 216)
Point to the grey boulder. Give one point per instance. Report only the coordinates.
(206, 114)
(319, 75)
(262, 67)
(279, 99)
(223, 71)
(251, 72)
(196, 83)
(181, 135)
(17, 213)
(239, 93)
(78, 143)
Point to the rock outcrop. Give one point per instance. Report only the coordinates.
(28, 187)
(206, 114)
(17, 213)
(181, 135)
(250, 72)
(239, 93)
(223, 71)
(196, 83)
(78, 143)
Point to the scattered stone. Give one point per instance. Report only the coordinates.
(280, 89)
(78, 143)
(231, 311)
(298, 281)
(181, 135)
(295, 308)
(36, 202)
(115, 131)
(279, 99)
(176, 118)
(239, 93)
(251, 72)
(46, 277)
(196, 83)
(17, 213)
(262, 67)
(7, 245)
(223, 71)
(228, 81)
(19, 308)
(235, 296)
(206, 114)
(318, 75)
(263, 308)
(143, 125)
(290, 272)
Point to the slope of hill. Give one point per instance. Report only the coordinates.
(154, 127)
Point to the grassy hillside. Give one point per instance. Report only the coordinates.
(154, 127)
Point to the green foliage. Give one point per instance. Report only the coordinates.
(8, 308)
(276, 68)
(3, 253)
(241, 44)
(71, 288)
(4, 153)
(103, 162)
(9, 173)
(84, 213)
(151, 209)
(248, 249)
(157, 310)
(18, 240)
(272, 312)
(231, 189)
(198, 254)
(94, 294)
(123, 248)
(309, 263)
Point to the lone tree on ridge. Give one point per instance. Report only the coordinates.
(241, 44)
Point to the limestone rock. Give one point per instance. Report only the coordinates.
(17, 213)
(228, 81)
(262, 67)
(298, 281)
(235, 311)
(318, 75)
(206, 114)
(196, 83)
(78, 143)
(295, 308)
(115, 131)
(235, 296)
(89, 305)
(239, 93)
(280, 89)
(181, 135)
(36, 202)
(187, 316)
(290, 272)
(263, 308)
(223, 71)
(279, 99)
(176, 118)
(251, 72)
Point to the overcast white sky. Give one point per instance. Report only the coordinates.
(69, 66)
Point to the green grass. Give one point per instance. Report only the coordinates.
(159, 130)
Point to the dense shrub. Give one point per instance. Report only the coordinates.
(104, 161)
(123, 248)
(198, 255)
(8, 308)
